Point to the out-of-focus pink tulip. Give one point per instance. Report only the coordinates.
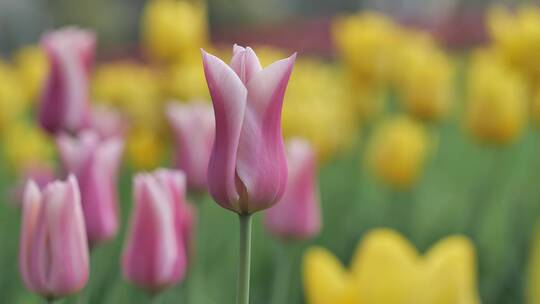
(108, 122)
(194, 128)
(155, 254)
(247, 170)
(65, 98)
(53, 257)
(40, 173)
(95, 162)
(297, 214)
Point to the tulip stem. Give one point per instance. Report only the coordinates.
(242, 296)
(282, 275)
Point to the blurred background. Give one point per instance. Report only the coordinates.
(424, 115)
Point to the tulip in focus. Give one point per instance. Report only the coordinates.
(496, 108)
(65, 98)
(387, 269)
(193, 127)
(297, 214)
(247, 170)
(155, 252)
(397, 151)
(53, 258)
(95, 162)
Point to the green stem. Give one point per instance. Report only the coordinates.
(282, 276)
(242, 295)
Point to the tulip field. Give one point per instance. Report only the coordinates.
(375, 161)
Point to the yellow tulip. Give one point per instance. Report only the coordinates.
(315, 108)
(174, 31)
(145, 148)
(423, 78)
(496, 109)
(517, 37)
(185, 82)
(32, 66)
(397, 151)
(133, 89)
(25, 145)
(387, 269)
(366, 43)
(326, 280)
(12, 98)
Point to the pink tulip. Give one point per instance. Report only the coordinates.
(247, 170)
(95, 162)
(53, 257)
(65, 99)
(107, 122)
(155, 254)
(194, 128)
(297, 214)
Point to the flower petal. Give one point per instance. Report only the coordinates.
(261, 161)
(229, 100)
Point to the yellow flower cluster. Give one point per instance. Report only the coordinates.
(378, 53)
(397, 151)
(496, 109)
(23, 143)
(12, 97)
(423, 77)
(174, 31)
(26, 145)
(516, 38)
(315, 108)
(387, 269)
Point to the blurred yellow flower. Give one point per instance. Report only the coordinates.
(185, 82)
(366, 42)
(12, 98)
(315, 108)
(496, 109)
(517, 37)
(387, 269)
(397, 151)
(32, 67)
(145, 148)
(423, 77)
(25, 146)
(174, 30)
(133, 89)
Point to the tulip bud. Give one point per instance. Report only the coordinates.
(194, 128)
(53, 257)
(95, 163)
(496, 108)
(247, 171)
(297, 215)
(65, 98)
(397, 152)
(154, 255)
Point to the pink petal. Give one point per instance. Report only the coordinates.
(245, 63)
(31, 209)
(297, 214)
(261, 161)
(229, 101)
(194, 129)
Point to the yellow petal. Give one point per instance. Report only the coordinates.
(385, 268)
(450, 273)
(325, 279)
